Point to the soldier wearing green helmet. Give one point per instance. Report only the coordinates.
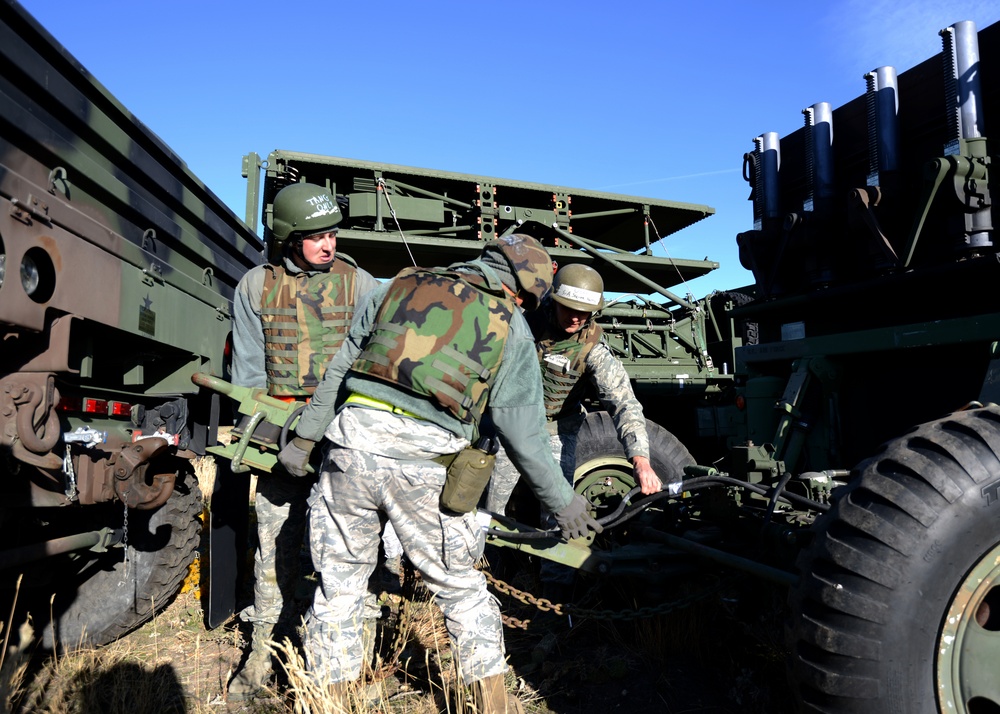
(574, 362)
(427, 354)
(290, 316)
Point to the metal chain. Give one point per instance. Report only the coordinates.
(71, 491)
(126, 560)
(546, 605)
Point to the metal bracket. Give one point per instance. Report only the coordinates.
(24, 211)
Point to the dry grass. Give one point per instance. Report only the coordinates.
(172, 665)
(695, 660)
(111, 679)
(675, 662)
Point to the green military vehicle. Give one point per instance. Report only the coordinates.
(117, 270)
(831, 428)
(874, 385)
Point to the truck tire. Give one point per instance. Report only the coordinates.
(102, 604)
(898, 608)
(598, 443)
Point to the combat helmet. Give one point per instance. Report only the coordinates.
(304, 209)
(578, 287)
(530, 263)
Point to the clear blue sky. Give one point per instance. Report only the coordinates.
(645, 97)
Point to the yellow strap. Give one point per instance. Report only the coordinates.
(364, 401)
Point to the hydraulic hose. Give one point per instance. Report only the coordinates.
(626, 511)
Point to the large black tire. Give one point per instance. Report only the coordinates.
(898, 608)
(100, 603)
(598, 441)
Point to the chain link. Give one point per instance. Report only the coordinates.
(641, 613)
(126, 560)
(71, 491)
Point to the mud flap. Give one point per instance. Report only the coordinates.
(227, 543)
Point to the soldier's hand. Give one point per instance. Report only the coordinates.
(295, 456)
(574, 519)
(644, 474)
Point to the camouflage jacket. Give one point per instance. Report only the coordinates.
(514, 400)
(593, 365)
(439, 334)
(249, 368)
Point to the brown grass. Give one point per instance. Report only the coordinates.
(700, 659)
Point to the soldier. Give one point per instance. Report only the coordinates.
(426, 355)
(573, 358)
(289, 319)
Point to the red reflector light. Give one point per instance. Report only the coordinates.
(741, 402)
(69, 404)
(94, 406)
(120, 409)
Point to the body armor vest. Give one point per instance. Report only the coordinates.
(563, 361)
(440, 334)
(305, 319)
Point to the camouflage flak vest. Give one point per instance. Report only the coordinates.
(441, 335)
(305, 319)
(563, 362)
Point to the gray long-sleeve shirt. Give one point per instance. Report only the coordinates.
(614, 391)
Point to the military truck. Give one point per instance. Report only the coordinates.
(830, 428)
(676, 347)
(841, 410)
(117, 269)
(874, 385)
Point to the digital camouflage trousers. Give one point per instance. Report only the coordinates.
(356, 491)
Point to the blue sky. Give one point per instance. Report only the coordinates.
(644, 97)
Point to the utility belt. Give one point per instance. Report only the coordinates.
(468, 471)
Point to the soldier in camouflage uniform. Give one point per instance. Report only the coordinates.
(573, 358)
(289, 318)
(426, 355)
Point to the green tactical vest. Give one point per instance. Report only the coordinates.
(305, 319)
(441, 335)
(563, 362)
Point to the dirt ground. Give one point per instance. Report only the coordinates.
(719, 654)
(707, 644)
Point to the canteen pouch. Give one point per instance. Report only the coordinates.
(466, 480)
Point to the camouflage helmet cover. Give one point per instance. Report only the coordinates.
(304, 208)
(530, 263)
(578, 287)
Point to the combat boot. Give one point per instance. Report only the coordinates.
(489, 696)
(257, 671)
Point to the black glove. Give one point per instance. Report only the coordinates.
(295, 456)
(574, 519)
